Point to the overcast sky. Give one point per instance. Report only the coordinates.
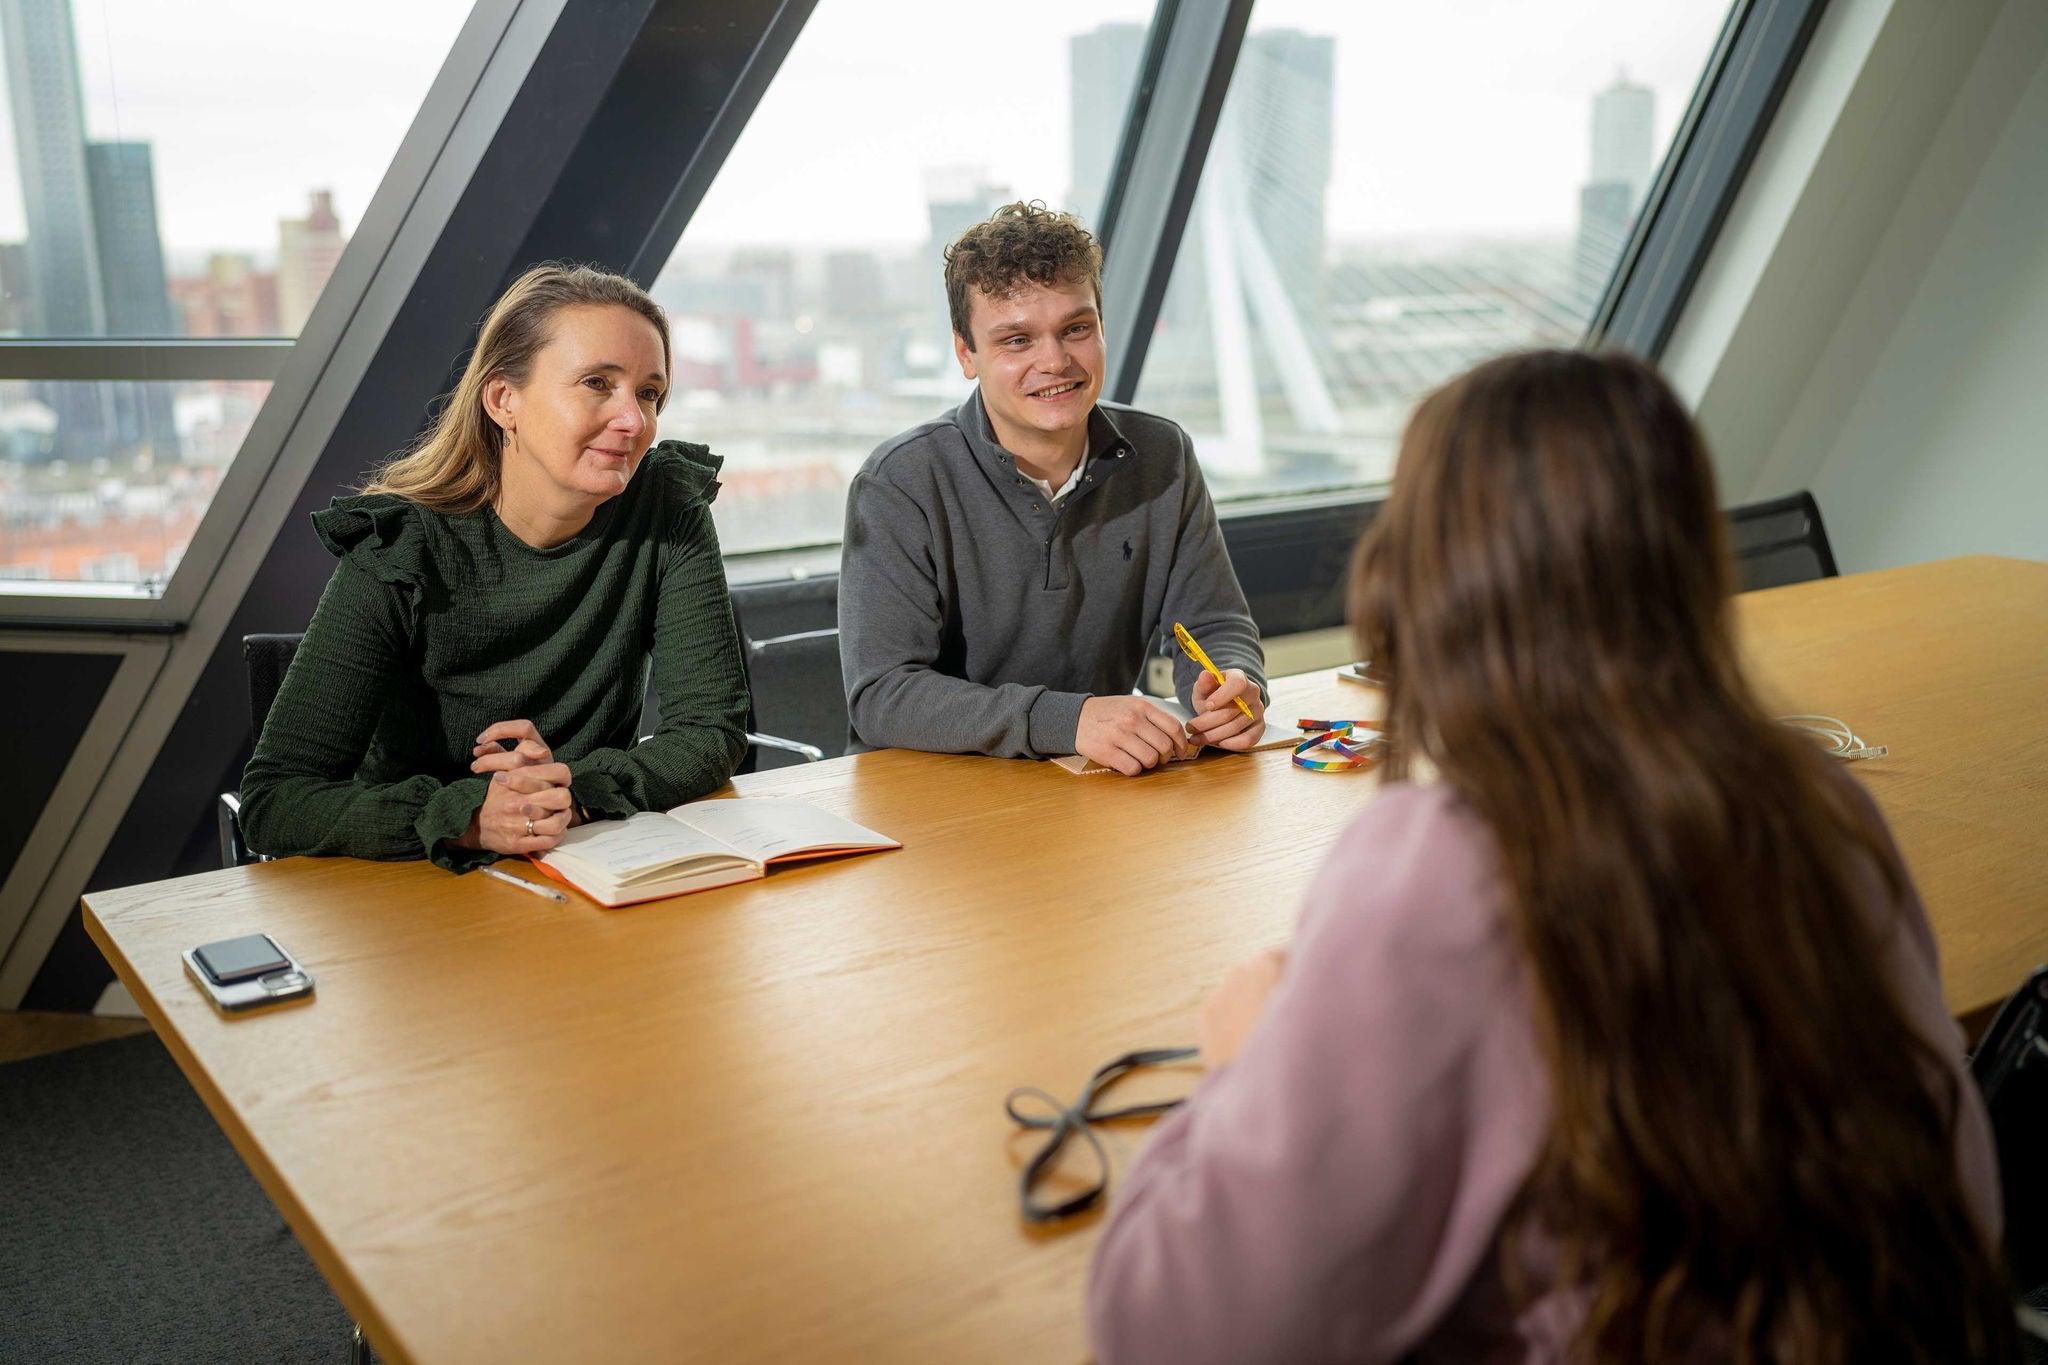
(1454, 117)
(250, 104)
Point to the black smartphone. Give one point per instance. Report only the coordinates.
(241, 973)
(240, 959)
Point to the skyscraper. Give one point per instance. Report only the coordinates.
(1103, 65)
(131, 258)
(1624, 151)
(1623, 119)
(135, 293)
(956, 198)
(64, 270)
(49, 138)
(17, 291)
(308, 249)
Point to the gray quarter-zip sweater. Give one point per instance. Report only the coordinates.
(975, 616)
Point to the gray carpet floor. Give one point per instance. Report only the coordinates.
(130, 1231)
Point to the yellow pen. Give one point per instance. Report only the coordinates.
(1194, 651)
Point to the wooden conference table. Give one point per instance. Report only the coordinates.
(765, 1122)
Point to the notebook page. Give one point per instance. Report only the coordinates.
(633, 848)
(770, 827)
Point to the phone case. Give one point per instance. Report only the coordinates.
(290, 983)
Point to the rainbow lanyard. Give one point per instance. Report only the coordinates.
(1337, 745)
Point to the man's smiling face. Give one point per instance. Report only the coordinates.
(1038, 357)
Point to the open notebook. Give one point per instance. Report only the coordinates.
(1277, 736)
(698, 846)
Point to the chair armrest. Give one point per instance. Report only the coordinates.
(233, 852)
(762, 646)
(811, 753)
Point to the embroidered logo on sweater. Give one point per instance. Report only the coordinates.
(1127, 552)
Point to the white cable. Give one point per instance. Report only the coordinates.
(1838, 739)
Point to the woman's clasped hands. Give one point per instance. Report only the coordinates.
(527, 807)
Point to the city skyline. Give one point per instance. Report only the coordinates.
(93, 261)
(92, 252)
(94, 265)
(109, 480)
(1451, 80)
(796, 360)
(232, 124)
(1289, 345)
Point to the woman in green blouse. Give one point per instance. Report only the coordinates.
(507, 581)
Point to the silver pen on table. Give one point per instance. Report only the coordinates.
(524, 885)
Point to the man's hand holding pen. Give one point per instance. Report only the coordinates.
(1229, 714)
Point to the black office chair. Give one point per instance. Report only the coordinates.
(1780, 542)
(266, 657)
(789, 635)
(789, 642)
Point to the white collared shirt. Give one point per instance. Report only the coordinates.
(1073, 481)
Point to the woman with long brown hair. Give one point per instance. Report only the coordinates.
(471, 684)
(1618, 1039)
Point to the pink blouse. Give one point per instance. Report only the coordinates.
(1336, 1193)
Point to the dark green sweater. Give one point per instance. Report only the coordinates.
(435, 626)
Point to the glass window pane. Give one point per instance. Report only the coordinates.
(809, 312)
(163, 172)
(195, 168)
(1393, 194)
(124, 516)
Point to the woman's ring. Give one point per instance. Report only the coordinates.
(529, 829)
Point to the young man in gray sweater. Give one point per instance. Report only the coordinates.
(1007, 566)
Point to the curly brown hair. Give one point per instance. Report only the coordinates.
(1021, 243)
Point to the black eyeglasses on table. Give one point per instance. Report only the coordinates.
(1066, 1121)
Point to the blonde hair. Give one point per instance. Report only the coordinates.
(453, 466)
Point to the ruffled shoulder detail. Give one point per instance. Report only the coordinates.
(686, 472)
(380, 533)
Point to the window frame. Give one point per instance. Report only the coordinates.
(1761, 45)
(1191, 54)
(1732, 106)
(294, 368)
(168, 639)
